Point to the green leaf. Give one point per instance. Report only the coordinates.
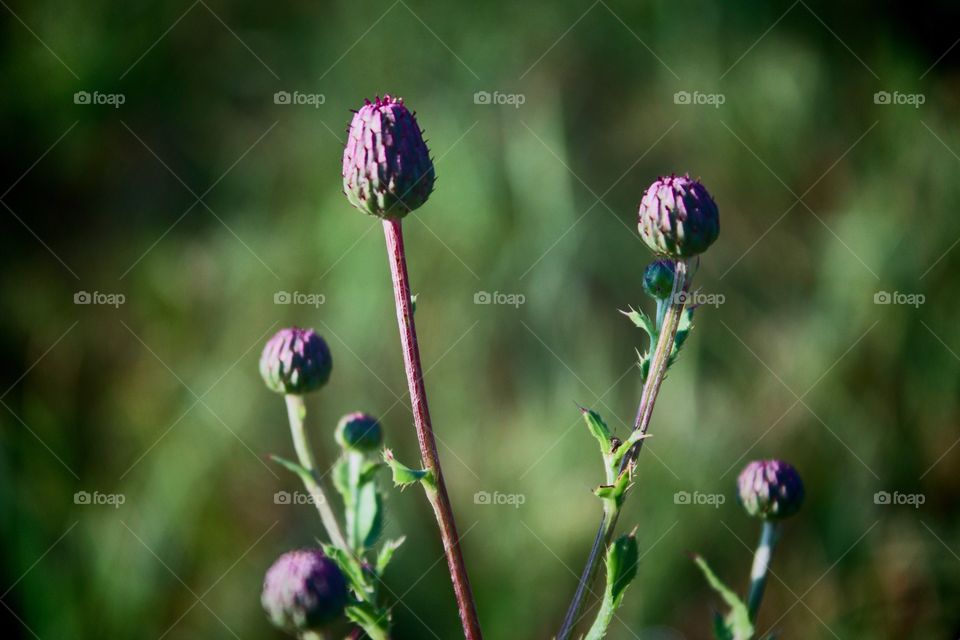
(622, 559)
(350, 566)
(341, 478)
(369, 515)
(404, 476)
(369, 472)
(301, 471)
(375, 622)
(386, 553)
(598, 428)
(720, 630)
(616, 491)
(738, 620)
(643, 321)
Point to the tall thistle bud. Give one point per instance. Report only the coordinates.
(387, 170)
(296, 361)
(770, 489)
(304, 591)
(678, 217)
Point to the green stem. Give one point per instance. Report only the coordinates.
(297, 413)
(761, 566)
(604, 618)
(651, 388)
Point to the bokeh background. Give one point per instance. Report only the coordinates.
(201, 196)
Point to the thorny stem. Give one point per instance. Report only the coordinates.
(297, 412)
(761, 566)
(658, 369)
(439, 499)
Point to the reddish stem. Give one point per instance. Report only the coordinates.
(428, 445)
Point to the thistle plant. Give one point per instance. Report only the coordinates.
(387, 173)
(772, 491)
(678, 220)
(306, 592)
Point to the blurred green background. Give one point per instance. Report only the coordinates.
(201, 196)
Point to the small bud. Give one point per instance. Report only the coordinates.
(678, 217)
(304, 591)
(359, 432)
(387, 170)
(296, 361)
(658, 279)
(770, 489)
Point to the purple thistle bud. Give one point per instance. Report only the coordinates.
(359, 432)
(770, 489)
(678, 217)
(658, 279)
(304, 590)
(387, 170)
(296, 361)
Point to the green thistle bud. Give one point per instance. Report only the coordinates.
(678, 217)
(658, 279)
(770, 489)
(359, 432)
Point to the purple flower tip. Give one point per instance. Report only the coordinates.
(387, 170)
(678, 217)
(296, 361)
(303, 591)
(770, 489)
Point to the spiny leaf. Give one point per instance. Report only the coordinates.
(404, 476)
(386, 553)
(598, 428)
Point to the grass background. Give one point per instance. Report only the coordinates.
(826, 198)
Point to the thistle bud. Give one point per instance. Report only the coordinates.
(387, 170)
(359, 432)
(770, 489)
(658, 279)
(303, 591)
(296, 361)
(678, 217)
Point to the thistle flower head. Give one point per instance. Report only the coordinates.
(387, 170)
(770, 489)
(678, 217)
(303, 591)
(295, 361)
(658, 279)
(359, 432)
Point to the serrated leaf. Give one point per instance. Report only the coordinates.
(614, 492)
(404, 476)
(386, 553)
(598, 428)
(738, 620)
(369, 515)
(349, 565)
(643, 321)
(622, 560)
